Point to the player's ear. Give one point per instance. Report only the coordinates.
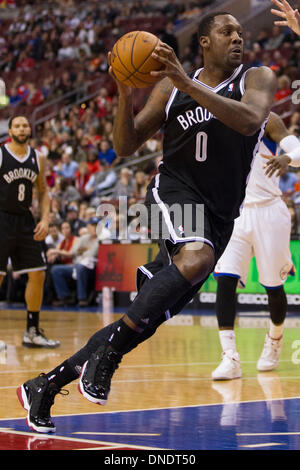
(204, 42)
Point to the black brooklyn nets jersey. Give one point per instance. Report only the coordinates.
(17, 177)
(203, 154)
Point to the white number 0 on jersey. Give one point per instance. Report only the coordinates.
(201, 147)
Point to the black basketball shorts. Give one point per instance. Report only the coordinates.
(18, 245)
(176, 217)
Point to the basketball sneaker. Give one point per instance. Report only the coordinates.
(96, 375)
(230, 367)
(37, 396)
(35, 338)
(270, 355)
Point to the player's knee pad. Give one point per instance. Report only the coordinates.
(277, 304)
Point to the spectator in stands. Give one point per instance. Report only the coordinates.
(47, 87)
(287, 183)
(168, 36)
(140, 186)
(50, 174)
(100, 182)
(24, 63)
(35, 96)
(275, 40)
(55, 255)
(171, 9)
(61, 254)
(56, 213)
(67, 167)
(106, 153)
(83, 207)
(284, 88)
(82, 270)
(73, 218)
(14, 97)
(124, 185)
(66, 51)
(93, 162)
(54, 237)
(253, 60)
(82, 176)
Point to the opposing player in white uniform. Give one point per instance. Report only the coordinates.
(262, 230)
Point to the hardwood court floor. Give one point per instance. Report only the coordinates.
(168, 375)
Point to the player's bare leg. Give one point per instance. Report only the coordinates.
(2, 343)
(34, 336)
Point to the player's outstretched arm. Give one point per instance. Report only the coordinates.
(277, 132)
(289, 17)
(252, 110)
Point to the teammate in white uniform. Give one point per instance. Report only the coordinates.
(262, 230)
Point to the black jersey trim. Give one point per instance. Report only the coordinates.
(20, 160)
(221, 85)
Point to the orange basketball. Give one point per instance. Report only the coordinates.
(131, 59)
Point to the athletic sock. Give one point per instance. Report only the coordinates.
(63, 374)
(275, 331)
(227, 339)
(32, 319)
(122, 337)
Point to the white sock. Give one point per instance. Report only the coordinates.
(227, 339)
(275, 331)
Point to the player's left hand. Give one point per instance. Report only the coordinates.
(172, 67)
(279, 164)
(41, 231)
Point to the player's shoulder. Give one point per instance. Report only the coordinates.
(262, 75)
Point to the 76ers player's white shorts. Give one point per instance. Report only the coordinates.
(262, 231)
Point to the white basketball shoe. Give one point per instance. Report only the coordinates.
(230, 367)
(270, 355)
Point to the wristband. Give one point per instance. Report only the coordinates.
(291, 146)
(295, 157)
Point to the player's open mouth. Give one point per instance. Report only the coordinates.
(237, 50)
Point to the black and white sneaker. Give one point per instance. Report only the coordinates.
(96, 375)
(35, 338)
(37, 396)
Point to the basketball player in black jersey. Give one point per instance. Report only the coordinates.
(213, 121)
(21, 168)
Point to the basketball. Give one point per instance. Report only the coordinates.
(131, 59)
